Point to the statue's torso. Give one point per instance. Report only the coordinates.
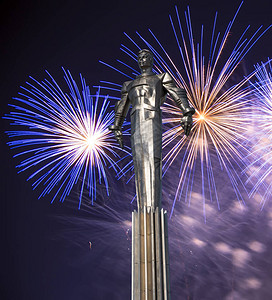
(146, 95)
(146, 92)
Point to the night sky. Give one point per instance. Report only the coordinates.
(45, 251)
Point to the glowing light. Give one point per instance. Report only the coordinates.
(202, 117)
(63, 137)
(92, 142)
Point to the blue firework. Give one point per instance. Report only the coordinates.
(260, 168)
(63, 138)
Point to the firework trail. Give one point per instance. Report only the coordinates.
(63, 137)
(261, 166)
(222, 112)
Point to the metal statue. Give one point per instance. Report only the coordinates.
(146, 94)
(150, 259)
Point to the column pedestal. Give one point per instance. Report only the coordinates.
(150, 260)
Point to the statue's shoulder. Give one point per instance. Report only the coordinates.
(165, 77)
(125, 86)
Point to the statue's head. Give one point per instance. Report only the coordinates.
(145, 59)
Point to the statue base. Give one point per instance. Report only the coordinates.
(150, 260)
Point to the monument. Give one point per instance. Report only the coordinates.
(145, 94)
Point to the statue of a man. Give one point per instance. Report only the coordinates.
(146, 94)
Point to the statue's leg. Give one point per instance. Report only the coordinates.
(158, 183)
(146, 145)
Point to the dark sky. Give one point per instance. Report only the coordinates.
(44, 247)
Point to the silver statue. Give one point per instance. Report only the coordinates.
(146, 94)
(150, 259)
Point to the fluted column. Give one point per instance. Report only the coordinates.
(150, 262)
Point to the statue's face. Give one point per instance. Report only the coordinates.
(145, 60)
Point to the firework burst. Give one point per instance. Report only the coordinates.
(261, 165)
(222, 113)
(63, 137)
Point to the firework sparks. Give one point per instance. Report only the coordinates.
(222, 113)
(63, 137)
(261, 165)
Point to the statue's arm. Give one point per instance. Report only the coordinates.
(180, 97)
(121, 110)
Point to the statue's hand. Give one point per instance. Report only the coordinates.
(118, 135)
(186, 123)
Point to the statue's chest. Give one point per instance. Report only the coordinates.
(144, 90)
